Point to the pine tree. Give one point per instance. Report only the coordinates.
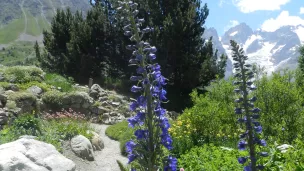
(37, 51)
(188, 60)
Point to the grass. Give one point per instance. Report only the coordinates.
(48, 130)
(56, 80)
(16, 53)
(11, 31)
(32, 25)
(120, 132)
(44, 25)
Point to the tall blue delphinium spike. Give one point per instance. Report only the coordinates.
(248, 114)
(152, 132)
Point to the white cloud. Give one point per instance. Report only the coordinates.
(284, 19)
(247, 6)
(222, 2)
(232, 23)
(302, 10)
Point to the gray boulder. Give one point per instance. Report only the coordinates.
(82, 147)
(35, 90)
(32, 155)
(97, 142)
(96, 91)
(3, 117)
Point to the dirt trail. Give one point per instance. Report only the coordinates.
(105, 160)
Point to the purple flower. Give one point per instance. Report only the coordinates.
(172, 164)
(242, 160)
(136, 78)
(133, 106)
(130, 145)
(152, 56)
(153, 49)
(131, 157)
(162, 95)
(258, 129)
(141, 134)
(247, 168)
(140, 70)
(135, 89)
(160, 111)
(242, 145)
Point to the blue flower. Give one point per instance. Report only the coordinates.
(258, 129)
(135, 89)
(162, 95)
(136, 78)
(247, 168)
(141, 134)
(172, 164)
(131, 157)
(242, 145)
(130, 145)
(140, 70)
(242, 160)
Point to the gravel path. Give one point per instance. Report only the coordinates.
(105, 160)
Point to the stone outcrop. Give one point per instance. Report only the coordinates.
(82, 147)
(32, 155)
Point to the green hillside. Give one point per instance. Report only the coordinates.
(22, 23)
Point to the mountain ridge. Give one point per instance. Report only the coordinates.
(273, 50)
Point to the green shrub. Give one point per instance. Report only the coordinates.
(22, 74)
(53, 99)
(281, 102)
(4, 85)
(210, 120)
(56, 80)
(21, 95)
(291, 159)
(120, 132)
(210, 158)
(43, 86)
(26, 124)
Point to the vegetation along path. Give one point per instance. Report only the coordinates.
(105, 160)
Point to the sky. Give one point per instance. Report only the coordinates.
(267, 15)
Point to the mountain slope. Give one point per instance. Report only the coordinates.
(273, 50)
(25, 20)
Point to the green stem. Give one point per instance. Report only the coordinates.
(248, 123)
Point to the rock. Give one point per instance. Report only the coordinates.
(28, 137)
(102, 99)
(96, 91)
(82, 147)
(13, 87)
(32, 155)
(3, 117)
(35, 90)
(1, 77)
(115, 104)
(96, 141)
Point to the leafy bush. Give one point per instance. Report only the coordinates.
(56, 80)
(43, 86)
(53, 99)
(21, 95)
(50, 129)
(210, 120)
(209, 158)
(22, 74)
(26, 124)
(122, 133)
(281, 103)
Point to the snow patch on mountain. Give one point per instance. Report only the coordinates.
(263, 56)
(273, 51)
(251, 40)
(300, 32)
(234, 33)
